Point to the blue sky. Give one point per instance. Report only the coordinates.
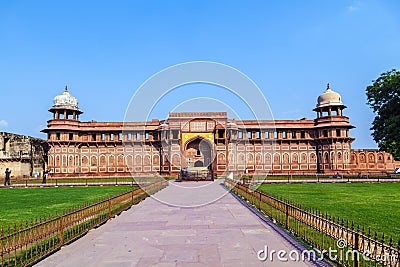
(104, 51)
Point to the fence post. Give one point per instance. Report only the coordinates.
(109, 207)
(61, 228)
(132, 197)
(287, 215)
(356, 262)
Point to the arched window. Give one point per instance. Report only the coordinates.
(103, 162)
(258, 159)
(156, 160)
(285, 158)
(313, 158)
(267, 158)
(138, 160)
(94, 161)
(362, 158)
(380, 158)
(85, 161)
(277, 158)
(241, 158)
(120, 160)
(295, 158)
(111, 160)
(371, 158)
(303, 158)
(176, 160)
(326, 156)
(221, 158)
(129, 160)
(147, 160)
(250, 158)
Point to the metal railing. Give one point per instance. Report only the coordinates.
(292, 177)
(316, 177)
(336, 240)
(26, 244)
(77, 181)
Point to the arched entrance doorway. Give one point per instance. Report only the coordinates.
(198, 152)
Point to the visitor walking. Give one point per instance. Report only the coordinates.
(8, 175)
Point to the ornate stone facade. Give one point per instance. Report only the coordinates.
(322, 145)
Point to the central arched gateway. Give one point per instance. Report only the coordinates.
(198, 152)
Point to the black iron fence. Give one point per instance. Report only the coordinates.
(27, 243)
(334, 239)
(79, 181)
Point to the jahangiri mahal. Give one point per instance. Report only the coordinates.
(321, 145)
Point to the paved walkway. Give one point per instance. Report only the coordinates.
(221, 233)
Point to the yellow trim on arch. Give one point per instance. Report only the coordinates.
(188, 136)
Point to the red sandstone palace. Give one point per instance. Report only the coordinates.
(322, 145)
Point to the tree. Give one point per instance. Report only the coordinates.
(384, 98)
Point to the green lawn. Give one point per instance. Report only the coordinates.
(21, 204)
(375, 205)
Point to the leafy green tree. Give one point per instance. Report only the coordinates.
(384, 98)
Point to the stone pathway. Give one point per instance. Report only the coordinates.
(221, 233)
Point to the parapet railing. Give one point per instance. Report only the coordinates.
(26, 244)
(334, 239)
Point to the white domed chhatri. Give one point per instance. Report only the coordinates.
(66, 100)
(329, 98)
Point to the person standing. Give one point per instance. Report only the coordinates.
(8, 175)
(44, 176)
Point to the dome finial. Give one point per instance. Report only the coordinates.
(66, 88)
(328, 87)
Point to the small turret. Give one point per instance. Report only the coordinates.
(65, 107)
(332, 133)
